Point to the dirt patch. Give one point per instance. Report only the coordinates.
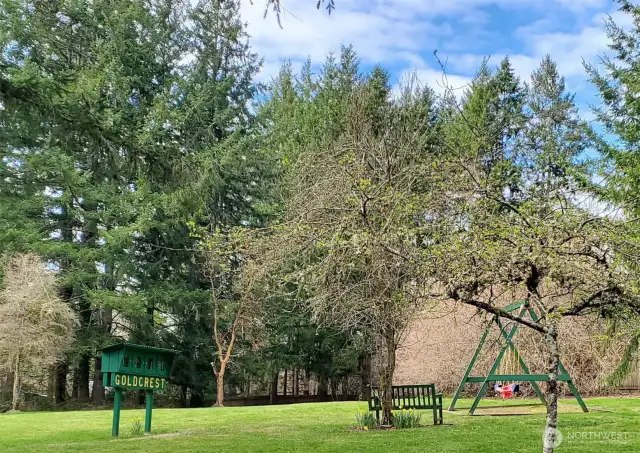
(393, 428)
(526, 409)
(189, 432)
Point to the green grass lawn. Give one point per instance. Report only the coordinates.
(318, 428)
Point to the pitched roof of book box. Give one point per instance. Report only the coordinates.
(137, 347)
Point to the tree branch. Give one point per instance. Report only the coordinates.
(497, 311)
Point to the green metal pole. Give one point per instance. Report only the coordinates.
(485, 384)
(577, 395)
(523, 365)
(574, 390)
(563, 370)
(149, 409)
(495, 366)
(117, 399)
(469, 369)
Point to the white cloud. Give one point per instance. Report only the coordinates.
(435, 79)
(377, 36)
(399, 32)
(468, 64)
(442, 7)
(569, 49)
(583, 4)
(402, 35)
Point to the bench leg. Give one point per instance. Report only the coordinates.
(435, 413)
(440, 411)
(378, 416)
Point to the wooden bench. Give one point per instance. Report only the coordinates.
(422, 396)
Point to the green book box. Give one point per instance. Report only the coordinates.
(128, 366)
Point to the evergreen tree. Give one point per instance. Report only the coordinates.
(74, 154)
(617, 81)
(619, 88)
(518, 226)
(123, 121)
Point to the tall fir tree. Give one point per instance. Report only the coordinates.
(124, 120)
(618, 82)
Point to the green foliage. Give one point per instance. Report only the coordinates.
(366, 420)
(139, 157)
(617, 82)
(406, 418)
(136, 426)
(627, 363)
(345, 249)
(619, 169)
(111, 141)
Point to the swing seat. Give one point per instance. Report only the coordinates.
(506, 391)
(521, 373)
(506, 394)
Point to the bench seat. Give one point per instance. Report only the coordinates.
(421, 396)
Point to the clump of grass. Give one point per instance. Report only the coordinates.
(406, 418)
(366, 420)
(136, 426)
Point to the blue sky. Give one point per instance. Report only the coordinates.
(402, 35)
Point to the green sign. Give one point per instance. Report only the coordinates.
(127, 381)
(129, 366)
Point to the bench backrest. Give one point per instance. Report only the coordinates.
(406, 397)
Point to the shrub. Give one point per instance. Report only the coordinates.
(406, 418)
(136, 426)
(366, 420)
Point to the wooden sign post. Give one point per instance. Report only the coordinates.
(135, 367)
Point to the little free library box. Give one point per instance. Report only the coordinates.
(135, 367)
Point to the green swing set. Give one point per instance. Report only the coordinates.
(495, 374)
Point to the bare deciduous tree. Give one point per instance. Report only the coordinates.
(355, 223)
(521, 227)
(224, 253)
(35, 324)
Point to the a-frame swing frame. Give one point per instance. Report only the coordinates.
(524, 309)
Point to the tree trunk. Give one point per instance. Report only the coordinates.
(51, 384)
(296, 384)
(284, 383)
(62, 369)
(274, 388)
(553, 363)
(97, 392)
(247, 387)
(220, 391)
(74, 384)
(344, 395)
(15, 400)
(323, 389)
(306, 383)
(387, 370)
(106, 320)
(7, 386)
(365, 376)
(334, 389)
(183, 396)
(84, 368)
